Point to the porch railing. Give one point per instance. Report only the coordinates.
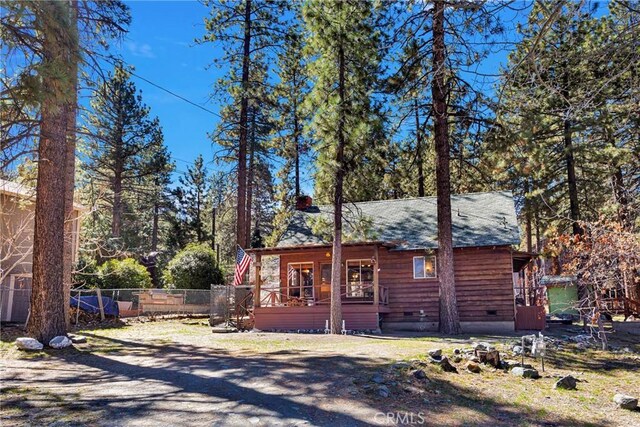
(279, 297)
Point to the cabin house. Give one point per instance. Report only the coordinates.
(389, 269)
(16, 248)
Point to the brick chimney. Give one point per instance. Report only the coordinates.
(303, 203)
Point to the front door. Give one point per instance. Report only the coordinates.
(325, 282)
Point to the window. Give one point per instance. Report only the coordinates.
(359, 278)
(300, 280)
(424, 267)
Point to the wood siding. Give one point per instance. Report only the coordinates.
(484, 286)
(484, 289)
(314, 317)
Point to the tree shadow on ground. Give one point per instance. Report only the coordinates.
(180, 381)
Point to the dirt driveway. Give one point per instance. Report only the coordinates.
(171, 373)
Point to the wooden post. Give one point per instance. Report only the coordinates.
(256, 296)
(99, 292)
(376, 285)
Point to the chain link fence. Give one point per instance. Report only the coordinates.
(89, 306)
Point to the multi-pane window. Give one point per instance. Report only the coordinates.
(300, 280)
(359, 278)
(424, 267)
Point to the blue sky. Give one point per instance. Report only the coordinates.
(160, 45)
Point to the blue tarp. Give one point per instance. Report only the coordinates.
(90, 305)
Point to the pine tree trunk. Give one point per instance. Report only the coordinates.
(296, 141)
(154, 230)
(46, 319)
(72, 106)
(336, 262)
(527, 214)
(250, 174)
(213, 229)
(449, 319)
(419, 160)
(618, 187)
(241, 230)
(116, 186)
(574, 208)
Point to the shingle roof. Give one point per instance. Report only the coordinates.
(23, 191)
(479, 219)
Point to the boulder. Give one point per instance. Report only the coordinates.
(473, 367)
(525, 372)
(60, 342)
(419, 374)
(435, 353)
(26, 343)
(566, 383)
(626, 402)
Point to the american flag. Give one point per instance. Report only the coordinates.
(242, 263)
(291, 274)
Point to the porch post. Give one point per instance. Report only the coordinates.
(376, 288)
(256, 295)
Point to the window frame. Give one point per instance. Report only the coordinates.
(424, 259)
(346, 276)
(302, 287)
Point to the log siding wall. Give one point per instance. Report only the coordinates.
(484, 283)
(484, 286)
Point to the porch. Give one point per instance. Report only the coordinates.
(293, 287)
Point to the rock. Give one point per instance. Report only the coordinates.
(517, 349)
(525, 372)
(456, 359)
(419, 374)
(447, 366)
(254, 420)
(383, 391)
(378, 379)
(60, 342)
(25, 343)
(485, 346)
(491, 357)
(509, 363)
(473, 367)
(566, 383)
(456, 351)
(78, 339)
(474, 359)
(625, 402)
(436, 352)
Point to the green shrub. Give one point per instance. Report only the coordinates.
(194, 267)
(121, 274)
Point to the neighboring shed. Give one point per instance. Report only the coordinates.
(562, 295)
(16, 248)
